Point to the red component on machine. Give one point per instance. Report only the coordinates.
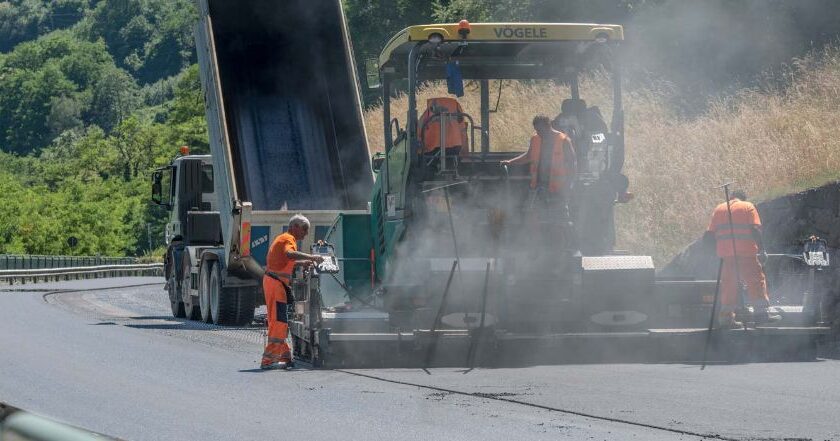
(464, 28)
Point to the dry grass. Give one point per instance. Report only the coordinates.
(770, 142)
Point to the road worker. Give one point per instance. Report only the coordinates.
(282, 257)
(552, 161)
(551, 157)
(740, 245)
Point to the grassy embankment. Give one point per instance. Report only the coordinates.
(771, 142)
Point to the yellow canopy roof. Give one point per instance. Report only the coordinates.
(500, 32)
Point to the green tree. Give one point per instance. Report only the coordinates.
(187, 119)
(47, 86)
(65, 114)
(10, 196)
(26, 101)
(150, 38)
(372, 23)
(114, 97)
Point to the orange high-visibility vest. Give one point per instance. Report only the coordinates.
(558, 165)
(428, 129)
(277, 262)
(744, 218)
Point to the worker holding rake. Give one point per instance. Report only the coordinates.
(735, 228)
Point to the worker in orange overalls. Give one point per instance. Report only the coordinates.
(741, 248)
(552, 167)
(442, 112)
(282, 257)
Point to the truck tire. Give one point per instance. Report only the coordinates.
(173, 289)
(175, 298)
(191, 309)
(230, 306)
(246, 299)
(204, 287)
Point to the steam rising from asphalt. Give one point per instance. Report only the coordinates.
(715, 47)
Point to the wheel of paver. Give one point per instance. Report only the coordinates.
(204, 288)
(175, 298)
(191, 309)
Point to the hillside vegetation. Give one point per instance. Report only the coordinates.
(769, 141)
(93, 95)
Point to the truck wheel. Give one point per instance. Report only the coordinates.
(204, 287)
(230, 306)
(214, 291)
(191, 309)
(172, 287)
(236, 307)
(247, 302)
(175, 298)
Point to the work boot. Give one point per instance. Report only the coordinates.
(727, 321)
(729, 324)
(277, 366)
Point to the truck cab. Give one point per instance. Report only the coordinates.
(171, 192)
(185, 188)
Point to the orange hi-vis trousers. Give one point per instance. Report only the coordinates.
(752, 275)
(276, 349)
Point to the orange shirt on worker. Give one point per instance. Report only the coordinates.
(744, 218)
(277, 261)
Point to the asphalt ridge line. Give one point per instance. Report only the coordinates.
(540, 406)
(248, 333)
(70, 291)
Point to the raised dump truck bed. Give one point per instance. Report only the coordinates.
(287, 84)
(286, 136)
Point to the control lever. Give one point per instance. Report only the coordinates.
(330, 264)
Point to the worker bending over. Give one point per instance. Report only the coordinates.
(740, 246)
(552, 167)
(282, 257)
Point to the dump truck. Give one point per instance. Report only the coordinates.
(286, 136)
(456, 264)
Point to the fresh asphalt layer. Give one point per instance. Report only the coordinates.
(106, 355)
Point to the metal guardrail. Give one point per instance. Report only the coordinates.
(31, 261)
(23, 276)
(19, 425)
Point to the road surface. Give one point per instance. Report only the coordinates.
(107, 356)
